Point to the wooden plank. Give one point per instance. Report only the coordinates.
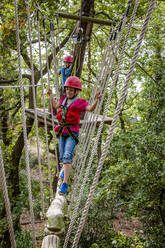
(50, 241)
(40, 115)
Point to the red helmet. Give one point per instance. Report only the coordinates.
(68, 59)
(73, 82)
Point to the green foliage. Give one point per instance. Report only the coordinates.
(23, 239)
(25, 194)
(117, 240)
(133, 176)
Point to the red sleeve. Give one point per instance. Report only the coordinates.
(82, 104)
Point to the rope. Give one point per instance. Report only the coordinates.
(110, 134)
(86, 141)
(91, 126)
(6, 200)
(43, 95)
(85, 126)
(99, 76)
(35, 108)
(103, 70)
(24, 125)
(82, 139)
(108, 73)
(54, 138)
(58, 42)
(89, 60)
(99, 130)
(54, 60)
(16, 86)
(94, 149)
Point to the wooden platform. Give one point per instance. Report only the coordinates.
(40, 115)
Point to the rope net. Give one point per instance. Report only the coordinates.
(106, 80)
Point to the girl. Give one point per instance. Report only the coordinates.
(68, 115)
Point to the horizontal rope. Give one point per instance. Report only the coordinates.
(17, 86)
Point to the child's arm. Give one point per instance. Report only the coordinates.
(90, 108)
(54, 103)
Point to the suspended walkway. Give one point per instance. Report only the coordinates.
(91, 117)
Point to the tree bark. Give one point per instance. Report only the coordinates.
(87, 9)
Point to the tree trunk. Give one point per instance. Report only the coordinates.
(87, 9)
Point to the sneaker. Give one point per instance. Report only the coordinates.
(63, 189)
(62, 173)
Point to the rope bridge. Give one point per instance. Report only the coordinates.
(105, 84)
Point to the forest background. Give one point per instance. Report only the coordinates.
(132, 182)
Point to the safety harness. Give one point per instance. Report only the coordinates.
(63, 123)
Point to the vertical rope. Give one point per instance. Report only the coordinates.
(86, 126)
(111, 130)
(35, 108)
(54, 138)
(57, 93)
(99, 86)
(43, 95)
(58, 42)
(54, 60)
(89, 61)
(94, 149)
(104, 82)
(6, 200)
(90, 125)
(24, 126)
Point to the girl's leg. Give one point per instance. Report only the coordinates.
(67, 160)
(70, 144)
(61, 145)
(67, 168)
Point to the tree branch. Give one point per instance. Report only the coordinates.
(105, 14)
(137, 64)
(27, 60)
(96, 39)
(15, 105)
(50, 57)
(6, 82)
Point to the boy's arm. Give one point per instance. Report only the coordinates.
(90, 108)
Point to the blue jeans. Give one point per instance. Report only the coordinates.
(66, 148)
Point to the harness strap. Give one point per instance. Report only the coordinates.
(63, 123)
(70, 132)
(68, 104)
